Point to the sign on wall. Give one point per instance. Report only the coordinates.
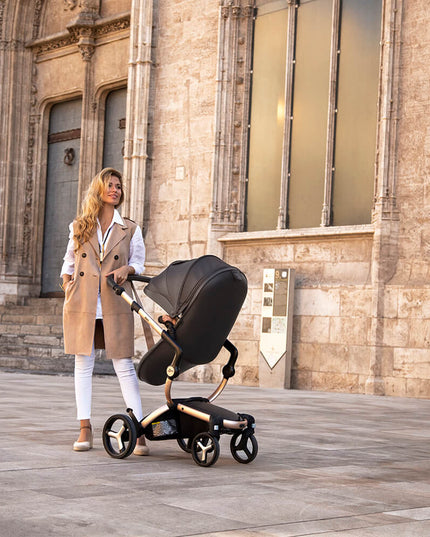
(276, 323)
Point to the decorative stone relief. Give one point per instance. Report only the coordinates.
(69, 5)
(2, 5)
(234, 64)
(37, 15)
(78, 31)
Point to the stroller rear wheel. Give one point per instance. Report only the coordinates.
(244, 447)
(185, 444)
(205, 449)
(119, 436)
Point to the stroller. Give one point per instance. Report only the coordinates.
(204, 297)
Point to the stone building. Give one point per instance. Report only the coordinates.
(276, 134)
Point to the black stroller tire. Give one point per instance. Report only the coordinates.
(119, 436)
(205, 449)
(244, 447)
(185, 444)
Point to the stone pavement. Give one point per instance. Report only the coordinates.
(332, 465)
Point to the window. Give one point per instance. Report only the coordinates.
(114, 131)
(313, 113)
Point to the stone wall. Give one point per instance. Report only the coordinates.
(361, 315)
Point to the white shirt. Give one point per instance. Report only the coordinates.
(136, 258)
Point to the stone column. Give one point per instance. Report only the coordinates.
(231, 118)
(83, 30)
(385, 214)
(16, 26)
(136, 134)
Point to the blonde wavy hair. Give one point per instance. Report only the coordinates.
(86, 221)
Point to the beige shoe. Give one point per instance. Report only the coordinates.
(141, 450)
(88, 444)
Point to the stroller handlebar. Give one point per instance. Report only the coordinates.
(138, 278)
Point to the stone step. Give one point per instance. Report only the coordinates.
(31, 338)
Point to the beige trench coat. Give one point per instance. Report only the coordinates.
(80, 304)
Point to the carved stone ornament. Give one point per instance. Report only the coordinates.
(70, 4)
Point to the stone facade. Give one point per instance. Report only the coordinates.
(361, 309)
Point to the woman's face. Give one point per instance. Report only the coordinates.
(112, 192)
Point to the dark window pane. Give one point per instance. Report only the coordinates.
(114, 134)
(267, 121)
(357, 111)
(309, 128)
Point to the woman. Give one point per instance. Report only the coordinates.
(101, 244)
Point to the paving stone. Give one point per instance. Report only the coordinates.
(328, 464)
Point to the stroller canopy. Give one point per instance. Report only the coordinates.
(174, 288)
(207, 294)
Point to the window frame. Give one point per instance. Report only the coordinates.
(235, 47)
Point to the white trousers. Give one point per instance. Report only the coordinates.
(126, 373)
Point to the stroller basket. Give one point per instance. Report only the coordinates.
(204, 296)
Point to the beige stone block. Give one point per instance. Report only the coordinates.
(391, 302)
(248, 352)
(418, 388)
(396, 332)
(336, 382)
(199, 228)
(395, 387)
(246, 376)
(198, 249)
(332, 358)
(313, 330)
(347, 273)
(419, 335)
(358, 359)
(255, 301)
(414, 303)
(387, 362)
(113, 7)
(307, 250)
(303, 356)
(411, 363)
(362, 383)
(314, 302)
(247, 329)
(53, 79)
(355, 302)
(301, 380)
(349, 330)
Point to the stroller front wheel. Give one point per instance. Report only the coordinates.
(205, 449)
(119, 436)
(244, 447)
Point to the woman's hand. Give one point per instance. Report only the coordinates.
(120, 274)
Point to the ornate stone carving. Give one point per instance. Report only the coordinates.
(79, 30)
(36, 20)
(2, 4)
(232, 115)
(69, 5)
(86, 50)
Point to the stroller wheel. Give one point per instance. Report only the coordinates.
(205, 449)
(244, 447)
(119, 436)
(185, 444)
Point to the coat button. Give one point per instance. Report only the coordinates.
(84, 255)
(81, 274)
(116, 257)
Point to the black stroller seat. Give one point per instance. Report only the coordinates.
(204, 297)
